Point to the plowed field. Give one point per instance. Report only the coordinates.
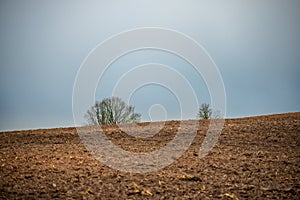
(254, 158)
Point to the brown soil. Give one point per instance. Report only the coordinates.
(255, 158)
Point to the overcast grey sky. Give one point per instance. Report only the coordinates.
(255, 45)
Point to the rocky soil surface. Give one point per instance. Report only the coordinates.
(254, 158)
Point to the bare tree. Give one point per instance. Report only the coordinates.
(204, 111)
(111, 111)
(216, 114)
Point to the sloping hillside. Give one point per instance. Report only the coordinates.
(255, 157)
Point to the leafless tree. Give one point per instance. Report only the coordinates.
(111, 111)
(204, 111)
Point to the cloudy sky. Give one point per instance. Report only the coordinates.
(254, 44)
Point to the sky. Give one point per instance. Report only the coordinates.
(255, 45)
